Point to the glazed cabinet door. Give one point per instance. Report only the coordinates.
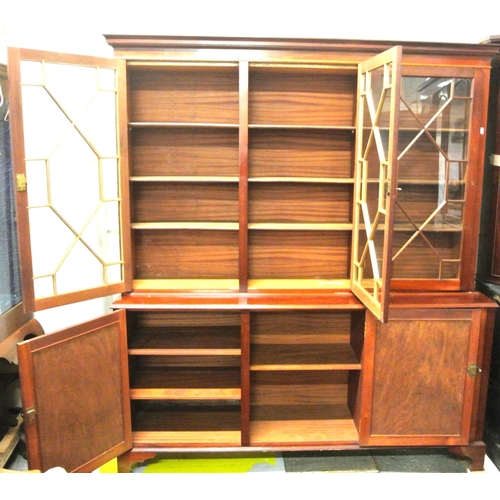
(69, 157)
(419, 377)
(75, 395)
(375, 177)
(441, 139)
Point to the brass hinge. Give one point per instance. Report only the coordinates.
(473, 370)
(21, 183)
(29, 415)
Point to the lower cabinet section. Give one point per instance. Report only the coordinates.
(246, 378)
(254, 373)
(329, 376)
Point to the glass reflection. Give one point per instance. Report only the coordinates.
(432, 167)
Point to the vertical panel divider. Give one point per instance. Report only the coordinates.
(243, 176)
(124, 173)
(245, 378)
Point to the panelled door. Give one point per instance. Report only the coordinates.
(75, 394)
(419, 377)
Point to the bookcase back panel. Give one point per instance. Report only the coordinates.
(301, 97)
(144, 320)
(184, 202)
(171, 376)
(300, 327)
(163, 416)
(184, 95)
(289, 202)
(289, 388)
(299, 153)
(182, 254)
(299, 254)
(192, 151)
(227, 365)
(429, 255)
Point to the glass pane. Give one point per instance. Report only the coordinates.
(106, 79)
(111, 180)
(31, 73)
(79, 270)
(46, 227)
(72, 170)
(38, 194)
(74, 181)
(98, 125)
(433, 156)
(102, 233)
(73, 95)
(44, 124)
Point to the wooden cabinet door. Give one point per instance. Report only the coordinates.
(68, 119)
(419, 377)
(75, 393)
(379, 81)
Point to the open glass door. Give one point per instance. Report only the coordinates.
(70, 163)
(375, 179)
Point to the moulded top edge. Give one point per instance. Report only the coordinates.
(164, 41)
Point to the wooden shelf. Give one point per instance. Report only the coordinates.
(277, 126)
(191, 438)
(303, 432)
(198, 65)
(209, 226)
(276, 226)
(181, 179)
(186, 394)
(303, 180)
(303, 356)
(184, 352)
(181, 125)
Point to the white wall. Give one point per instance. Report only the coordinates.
(71, 26)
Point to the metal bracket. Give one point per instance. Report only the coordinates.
(473, 370)
(29, 415)
(21, 182)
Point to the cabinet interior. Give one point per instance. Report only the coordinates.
(186, 376)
